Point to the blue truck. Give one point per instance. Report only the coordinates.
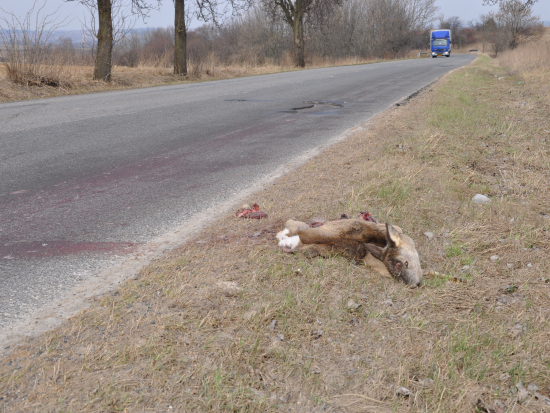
(440, 42)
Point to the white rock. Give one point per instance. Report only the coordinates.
(403, 391)
(494, 258)
(480, 199)
(529, 265)
(517, 330)
(542, 398)
(532, 387)
(426, 382)
(429, 234)
(230, 288)
(522, 395)
(352, 305)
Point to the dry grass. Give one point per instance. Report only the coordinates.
(531, 61)
(78, 79)
(195, 331)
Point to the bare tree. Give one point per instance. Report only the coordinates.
(209, 11)
(526, 3)
(180, 39)
(30, 58)
(105, 36)
(294, 13)
(493, 31)
(123, 21)
(518, 18)
(454, 24)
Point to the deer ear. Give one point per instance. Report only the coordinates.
(375, 250)
(392, 236)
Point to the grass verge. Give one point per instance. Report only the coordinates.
(231, 323)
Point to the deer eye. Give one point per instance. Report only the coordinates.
(406, 264)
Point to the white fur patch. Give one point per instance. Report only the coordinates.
(289, 244)
(282, 234)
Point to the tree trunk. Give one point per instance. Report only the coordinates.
(102, 69)
(180, 41)
(298, 30)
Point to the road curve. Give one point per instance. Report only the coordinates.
(87, 179)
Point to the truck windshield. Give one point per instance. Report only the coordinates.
(440, 42)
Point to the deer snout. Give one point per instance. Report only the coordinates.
(411, 271)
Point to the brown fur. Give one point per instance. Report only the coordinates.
(355, 238)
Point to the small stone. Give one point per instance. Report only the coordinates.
(480, 199)
(316, 370)
(504, 377)
(280, 337)
(529, 265)
(532, 387)
(511, 219)
(388, 302)
(317, 334)
(510, 289)
(510, 265)
(429, 234)
(522, 395)
(272, 325)
(352, 305)
(298, 272)
(427, 382)
(519, 385)
(516, 331)
(230, 288)
(494, 258)
(542, 398)
(403, 392)
(465, 268)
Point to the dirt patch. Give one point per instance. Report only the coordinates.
(229, 322)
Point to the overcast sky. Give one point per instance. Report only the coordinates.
(465, 9)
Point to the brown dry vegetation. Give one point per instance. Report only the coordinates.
(531, 60)
(196, 331)
(79, 79)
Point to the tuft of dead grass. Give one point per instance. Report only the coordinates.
(530, 60)
(231, 323)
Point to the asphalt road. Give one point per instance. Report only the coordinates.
(87, 179)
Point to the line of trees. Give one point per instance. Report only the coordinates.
(508, 27)
(267, 31)
(389, 25)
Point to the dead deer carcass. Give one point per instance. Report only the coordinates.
(355, 238)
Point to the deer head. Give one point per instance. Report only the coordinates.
(399, 256)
